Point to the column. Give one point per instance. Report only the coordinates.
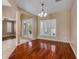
(17, 27)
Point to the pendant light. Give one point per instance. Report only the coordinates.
(42, 13)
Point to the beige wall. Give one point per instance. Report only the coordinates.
(73, 40)
(8, 12)
(62, 25)
(35, 26)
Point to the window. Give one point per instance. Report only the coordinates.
(9, 27)
(27, 27)
(48, 27)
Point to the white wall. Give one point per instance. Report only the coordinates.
(73, 40)
(63, 21)
(8, 12)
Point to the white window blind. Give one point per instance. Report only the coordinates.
(48, 27)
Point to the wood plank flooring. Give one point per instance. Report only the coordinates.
(43, 49)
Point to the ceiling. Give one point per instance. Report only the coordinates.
(6, 3)
(51, 6)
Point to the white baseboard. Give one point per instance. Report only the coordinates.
(73, 49)
(54, 39)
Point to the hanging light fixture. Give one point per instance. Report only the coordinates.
(43, 13)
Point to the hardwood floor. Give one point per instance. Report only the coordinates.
(43, 49)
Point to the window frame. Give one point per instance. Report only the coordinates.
(40, 30)
(9, 27)
(25, 35)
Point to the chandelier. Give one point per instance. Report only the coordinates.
(42, 13)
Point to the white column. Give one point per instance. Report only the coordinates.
(17, 27)
(18, 14)
(34, 28)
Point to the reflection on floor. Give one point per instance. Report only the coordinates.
(43, 49)
(9, 45)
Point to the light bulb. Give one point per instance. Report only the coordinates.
(39, 14)
(42, 14)
(45, 14)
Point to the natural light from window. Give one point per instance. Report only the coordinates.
(48, 28)
(27, 28)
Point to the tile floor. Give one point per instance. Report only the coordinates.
(9, 45)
